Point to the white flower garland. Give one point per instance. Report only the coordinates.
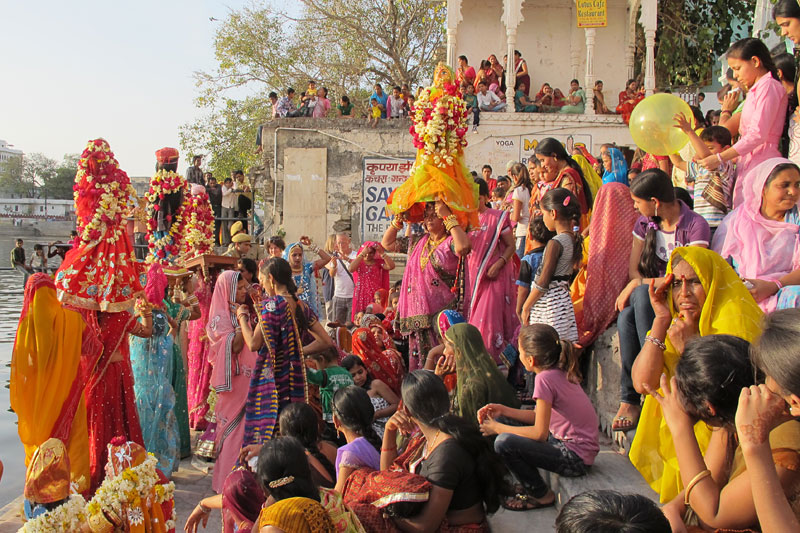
(65, 518)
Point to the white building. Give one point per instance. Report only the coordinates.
(35, 207)
(556, 50)
(7, 152)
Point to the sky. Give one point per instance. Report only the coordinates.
(76, 70)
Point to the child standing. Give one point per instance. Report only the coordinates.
(396, 104)
(323, 105)
(540, 235)
(560, 435)
(712, 188)
(375, 112)
(472, 105)
(329, 377)
(38, 259)
(549, 300)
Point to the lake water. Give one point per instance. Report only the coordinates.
(11, 451)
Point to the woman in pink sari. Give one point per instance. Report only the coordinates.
(233, 364)
(431, 276)
(370, 271)
(491, 272)
(606, 271)
(199, 365)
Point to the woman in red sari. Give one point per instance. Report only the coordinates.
(382, 363)
(370, 271)
(628, 100)
(100, 276)
(491, 272)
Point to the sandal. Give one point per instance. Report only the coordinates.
(524, 502)
(623, 423)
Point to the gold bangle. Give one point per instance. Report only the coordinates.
(695, 480)
(450, 222)
(396, 224)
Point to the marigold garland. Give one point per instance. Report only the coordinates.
(103, 194)
(167, 248)
(440, 125)
(67, 517)
(198, 232)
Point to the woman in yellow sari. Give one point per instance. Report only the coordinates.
(48, 376)
(701, 295)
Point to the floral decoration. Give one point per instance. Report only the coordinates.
(103, 194)
(69, 516)
(125, 494)
(439, 122)
(167, 247)
(198, 219)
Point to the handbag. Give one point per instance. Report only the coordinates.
(716, 192)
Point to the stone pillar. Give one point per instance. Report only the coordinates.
(511, 71)
(451, 48)
(589, 80)
(649, 20)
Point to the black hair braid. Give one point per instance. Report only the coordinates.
(354, 410)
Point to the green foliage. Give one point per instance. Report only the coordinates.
(692, 34)
(345, 45)
(38, 175)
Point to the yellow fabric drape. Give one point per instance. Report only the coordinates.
(729, 309)
(44, 364)
(590, 175)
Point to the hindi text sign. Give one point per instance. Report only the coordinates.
(381, 177)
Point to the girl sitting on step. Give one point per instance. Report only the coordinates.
(560, 435)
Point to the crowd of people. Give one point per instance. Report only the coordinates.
(330, 399)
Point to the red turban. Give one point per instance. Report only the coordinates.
(167, 155)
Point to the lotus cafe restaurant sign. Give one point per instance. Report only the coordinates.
(592, 13)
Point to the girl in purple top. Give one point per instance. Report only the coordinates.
(760, 125)
(665, 223)
(352, 415)
(560, 435)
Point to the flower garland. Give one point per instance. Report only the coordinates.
(128, 490)
(103, 194)
(439, 122)
(167, 247)
(198, 233)
(69, 516)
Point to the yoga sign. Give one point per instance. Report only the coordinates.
(381, 177)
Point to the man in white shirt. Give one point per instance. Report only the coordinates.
(228, 209)
(487, 100)
(344, 286)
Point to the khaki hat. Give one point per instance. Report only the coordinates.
(236, 227)
(241, 237)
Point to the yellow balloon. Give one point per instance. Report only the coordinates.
(652, 124)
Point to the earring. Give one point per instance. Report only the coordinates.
(656, 211)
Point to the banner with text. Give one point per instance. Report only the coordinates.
(498, 151)
(592, 13)
(381, 177)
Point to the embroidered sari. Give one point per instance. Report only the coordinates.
(491, 302)
(383, 364)
(426, 290)
(110, 396)
(48, 374)
(230, 377)
(368, 280)
(152, 364)
(279, 377)
(199, 365)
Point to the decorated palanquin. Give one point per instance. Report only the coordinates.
(101, 272)
(165, 210)
(439, 129)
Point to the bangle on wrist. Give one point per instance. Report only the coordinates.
(203, 508)
(657, 342)
(695, 480)
(724, 111)
(719, 157)
(778, 283)
(391, 449)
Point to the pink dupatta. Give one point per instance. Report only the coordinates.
(230, 376)
(491, 303)
(760, 248)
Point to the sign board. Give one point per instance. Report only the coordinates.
(498, 151)
(381, 177)
(592, 13)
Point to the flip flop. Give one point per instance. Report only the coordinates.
(623, 423)
(525, 503)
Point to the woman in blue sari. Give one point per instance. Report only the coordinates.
(616, 166)
(304, 272)
(153, 368)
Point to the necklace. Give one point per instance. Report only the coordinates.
(430, 447)
(430, 247)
